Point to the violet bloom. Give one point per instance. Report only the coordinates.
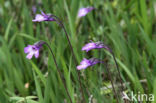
(84, 11)
(34, 9)
(31, 50)
(94, 45)
(85, 63)
(43, 17)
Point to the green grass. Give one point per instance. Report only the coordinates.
(127, 26)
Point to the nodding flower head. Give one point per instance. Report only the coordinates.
(84, 11)
(85, 63)
(94, 45)
(43, 17)
(31, 50)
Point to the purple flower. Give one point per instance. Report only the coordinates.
(43, 17)
(84, 11)
(92, 45)
(85, 63)
(34, 9)
(31, 50)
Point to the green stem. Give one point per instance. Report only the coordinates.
(71, 48)
(58, 70)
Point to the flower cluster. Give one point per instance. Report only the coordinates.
(90, 62)
(31, 50)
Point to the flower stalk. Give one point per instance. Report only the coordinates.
(34, 50)
(71, 48)
(59, 71)
(117, 67)
(50, 17)
(109, 76)
(100, 45)
(85, 63)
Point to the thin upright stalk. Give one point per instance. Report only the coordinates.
(59, 71)
(61, 24)
(110, 50)
(118, 71)
(109, 76)
(117, 68)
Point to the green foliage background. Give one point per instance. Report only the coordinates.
(127, 26)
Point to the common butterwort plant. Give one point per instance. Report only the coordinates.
(33, 50)
(100, 45)
(50, 17)
(85, 63)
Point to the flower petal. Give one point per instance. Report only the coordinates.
(37, 54)
(29, 56)
(39, 18)
(43, 13)
(88, 47)
(84, 11)
(79, 67)
(83, 64)
(28, 49)
(84, 61)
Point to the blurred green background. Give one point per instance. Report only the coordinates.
(127, 26)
